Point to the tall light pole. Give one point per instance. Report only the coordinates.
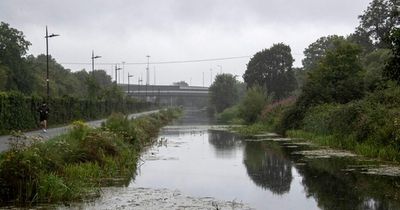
(139, 83)
(123, 72)
(94, 57)
(47, 60)
(211, 77)
(116, 76)
(129, 76)
(147, 70)
(203, 78)
(154, 75)
(220, 69)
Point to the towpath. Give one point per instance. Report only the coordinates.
(52, 132)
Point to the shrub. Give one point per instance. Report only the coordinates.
(272, 113)
(252, 104)
(229, 115)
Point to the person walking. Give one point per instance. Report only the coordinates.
(43, 115)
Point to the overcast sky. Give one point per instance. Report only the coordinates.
(176, 30)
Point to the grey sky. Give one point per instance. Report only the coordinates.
(122, 30)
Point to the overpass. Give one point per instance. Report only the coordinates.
(169, 94)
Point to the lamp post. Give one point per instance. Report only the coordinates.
(47, 60)
(139, 83)
(94, 57)
(220, 69)
(147, 70)
(116, 69)
(123, 72)
(211, 76)
(129, 76)
(203, 78)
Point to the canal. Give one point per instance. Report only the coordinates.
(196, 165)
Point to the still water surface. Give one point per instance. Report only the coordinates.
(193, 158)
(221, 165)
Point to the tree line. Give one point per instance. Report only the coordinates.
(347, 88)
(27, 73)
(73, 95)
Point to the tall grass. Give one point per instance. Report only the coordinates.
(367, 149)
(74, 165)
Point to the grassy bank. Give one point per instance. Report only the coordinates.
(367, 149)
(74, 165)
(368, 127)
(251, 130)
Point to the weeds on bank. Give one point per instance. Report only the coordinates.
(74, 165)
(251, 130)
(367, 149)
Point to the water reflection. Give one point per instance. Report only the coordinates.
(265, 174)
(267, 166)
(194, 117)
(225, 144)
(335, 188)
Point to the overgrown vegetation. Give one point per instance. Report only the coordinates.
(349, 91)
(74, 165)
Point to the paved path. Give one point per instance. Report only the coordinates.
(52, 132)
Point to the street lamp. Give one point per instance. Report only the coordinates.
(123, 72)
(147, 71)
(129, 76)
(139, 83)
(47, 60)
(220, 69)
(211, 76)
(203, 78)
(116, 69)
(94, 57)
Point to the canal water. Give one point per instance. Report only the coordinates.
(195, 165)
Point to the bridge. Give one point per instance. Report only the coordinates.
(169, 94)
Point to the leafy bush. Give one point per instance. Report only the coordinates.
(252, 104)
(229, 116)
(272, 113)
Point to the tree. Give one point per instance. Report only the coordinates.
(377, 21)
(224, 92)
(337, 78)
(392, 69)
(272, 69)
(3, 77)
(316, 50)
(112, 92)
(13, 47)
(102, 78)
(300, 75)
(374, 64)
